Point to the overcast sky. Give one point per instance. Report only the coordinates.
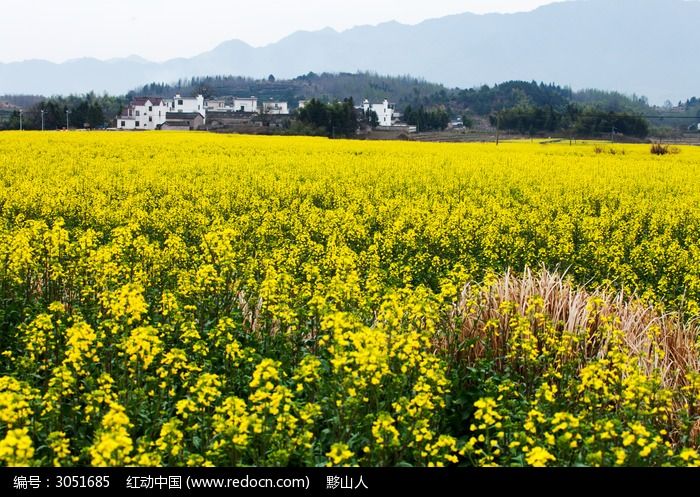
(57, 30)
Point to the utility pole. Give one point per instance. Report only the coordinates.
(42, 119)
(612, 135)
(67, 112)
(21, 127)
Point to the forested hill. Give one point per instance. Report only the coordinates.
(326, 87)
(405, 91)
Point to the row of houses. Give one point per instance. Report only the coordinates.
(188, 113)
(149, 113)
(247, 105)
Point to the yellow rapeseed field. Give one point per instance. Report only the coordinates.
(200, 299)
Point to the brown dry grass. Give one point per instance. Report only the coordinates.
(662, 342)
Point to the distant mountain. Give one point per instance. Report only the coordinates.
(647, 47)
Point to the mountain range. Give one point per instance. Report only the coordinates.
(646, 47)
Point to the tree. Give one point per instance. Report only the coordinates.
(337, 120)
(467, 120)
(315, 113)
(203, 90)
(373, 118)
(13, 122)
(427, 120)
(95, 116)
(271, 78)
(79, 115)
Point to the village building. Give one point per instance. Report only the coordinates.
(216, 105)
(275, 108)
(248, 105)
(183, 121)
(143, 113)
(188, 104)
(384, 111)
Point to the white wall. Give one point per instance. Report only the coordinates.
(384, 111)
(126, 123)
(149, 116)
(215, 105)
(276, 108)
(247, 104)
(188, 104)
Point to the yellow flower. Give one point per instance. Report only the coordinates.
(339, 454)
(113, 445)
(17, 449)
(539, 457)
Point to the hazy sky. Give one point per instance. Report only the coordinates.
(57, 30)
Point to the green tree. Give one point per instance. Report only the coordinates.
(95, 116)
(13, 121)
(336, 120)
(467, 121)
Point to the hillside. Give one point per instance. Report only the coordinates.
(327, 87)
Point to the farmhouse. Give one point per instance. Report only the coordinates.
(275, 108)
(229, 119)
(248, 105)
(188, 104)
(384, 111)
(215, 105)
(143, 113)
(183, 121)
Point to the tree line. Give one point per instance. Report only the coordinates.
(426, 119)
(335, 120)
(572, 119)
(78, 111)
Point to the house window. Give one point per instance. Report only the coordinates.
(138, 123)
(150, 119)
(179, 102)
(123, 124)
(150, 109)
(138, 112)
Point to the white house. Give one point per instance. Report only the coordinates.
(249, 105)
(275, 108)
(188, 104)
(384, 111)
(143, 113)
(216, 105)
(302, 103)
